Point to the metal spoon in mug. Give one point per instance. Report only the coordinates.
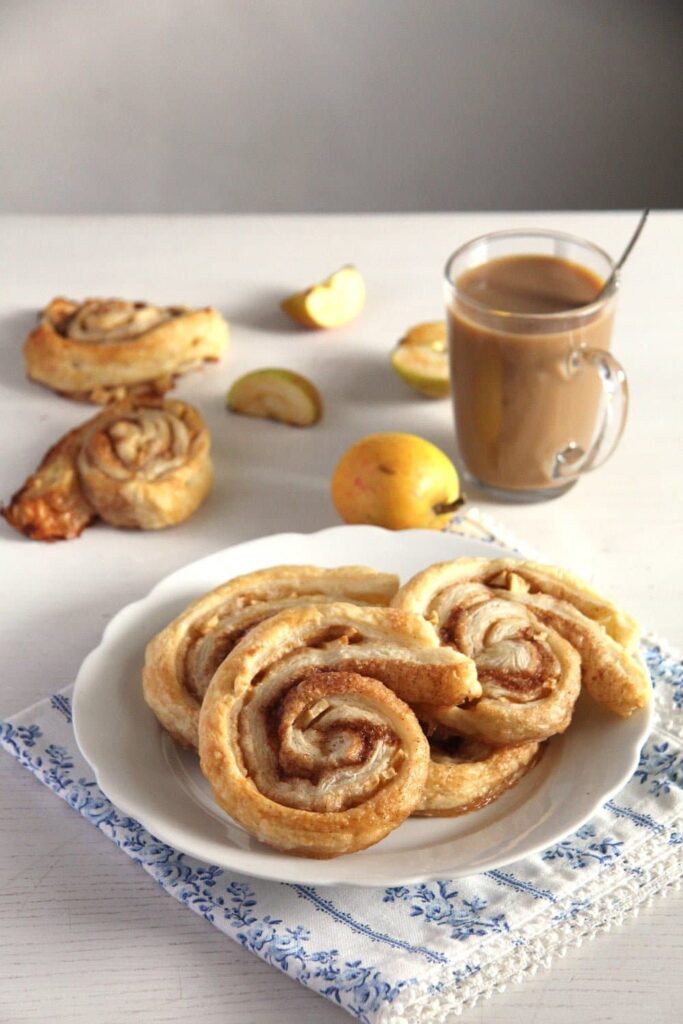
(634, 238)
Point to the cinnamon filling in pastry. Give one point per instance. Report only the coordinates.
(320, 743)
(208, 650)
(182, 660)
(523, 666)
(535, 633)
(137, 464)
(342, 742)
(105, 320)
(107, 350)
(510, 655)
(148, 444)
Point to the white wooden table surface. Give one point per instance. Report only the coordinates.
(85, 935)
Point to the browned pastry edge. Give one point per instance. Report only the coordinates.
(165, 673)
(102, 372)
(56, 503)
(508, 765)
(145, 391)
(51, 505)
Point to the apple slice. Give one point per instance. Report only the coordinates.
(330, 303)
(421, 359)
(276, 394)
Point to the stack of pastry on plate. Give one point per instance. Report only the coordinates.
(328, 705)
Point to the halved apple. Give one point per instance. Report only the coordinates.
(276, 394)
(421, 359)
(330, 303)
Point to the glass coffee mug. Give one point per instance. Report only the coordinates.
(538, 398)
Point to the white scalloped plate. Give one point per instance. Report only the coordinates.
(145, 775)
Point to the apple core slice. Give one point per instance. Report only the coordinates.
(330, 303)
(421, 359)
(276, 394)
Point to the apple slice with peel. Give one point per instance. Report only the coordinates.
(421, 359)
(330, 303)
(276, 394)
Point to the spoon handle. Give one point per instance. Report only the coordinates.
(634, 239)
(624, 256)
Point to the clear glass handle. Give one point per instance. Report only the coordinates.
(573, 460)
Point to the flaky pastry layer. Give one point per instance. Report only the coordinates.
(105, 350)
(466, 774)
(136, 464)
(599, 631)
(181, 660)
(316, 771)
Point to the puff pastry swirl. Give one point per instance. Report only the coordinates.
(135, 464)
(305, 734)
(104, 350)
(602, 634)
(182, 658)
(530, 676)
(466, 774)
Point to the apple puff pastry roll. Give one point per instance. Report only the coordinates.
(305, 733)
(529, 675)
(135, 464)
(182, 658)
(603, 635)
(104, 350)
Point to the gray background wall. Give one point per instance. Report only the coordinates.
(231, 105)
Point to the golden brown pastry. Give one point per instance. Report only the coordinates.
(301, 737)
(182, 658)
(530, 677)
(518, 576)
(135, 464)
(104, 350)
(466, 774)
(600, 632)
(604, 635)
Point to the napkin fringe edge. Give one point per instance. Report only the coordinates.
(438, 1003)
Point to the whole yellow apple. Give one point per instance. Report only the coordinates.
(398, 481)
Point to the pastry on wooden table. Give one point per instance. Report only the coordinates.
(136, 464)
(182, 658)
(466, 774)
(457, 596)
(306, 734)
(104, 350)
